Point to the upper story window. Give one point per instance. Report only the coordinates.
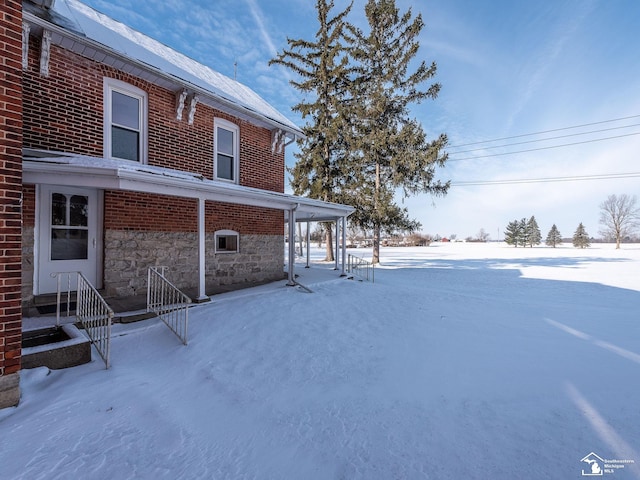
(125, 121)
(226, 150)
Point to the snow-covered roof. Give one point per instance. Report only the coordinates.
(71, 169)
(82, 29)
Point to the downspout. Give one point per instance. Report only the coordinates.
(295, 137)
(292, 245)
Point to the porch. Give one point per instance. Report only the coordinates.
(52, 170)
(129, 309)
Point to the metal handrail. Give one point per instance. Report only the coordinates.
(168, 302)
(92, 311)
(361, 268)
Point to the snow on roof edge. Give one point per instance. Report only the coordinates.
(143, 49)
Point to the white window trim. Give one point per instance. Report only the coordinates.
(220, 122)
(226, 233)
(112, 84)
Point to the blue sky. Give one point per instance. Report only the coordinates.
(507, 68)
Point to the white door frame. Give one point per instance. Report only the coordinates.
(43, 283)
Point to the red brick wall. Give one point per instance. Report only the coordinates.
(64, 112)
(146, 212)
(10, 185)
(242, 219)
(268, 172)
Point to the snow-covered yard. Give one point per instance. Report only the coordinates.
(460, 361)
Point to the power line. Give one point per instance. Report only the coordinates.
(573, 178)
(542, 148)
(545, 131)
(547, 139)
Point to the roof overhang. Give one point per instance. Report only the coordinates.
(64, 35)
(75, 170)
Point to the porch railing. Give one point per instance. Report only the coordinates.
(92, 311)
(168, 302)
(361, 268)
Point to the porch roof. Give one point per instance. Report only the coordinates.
(79, 170)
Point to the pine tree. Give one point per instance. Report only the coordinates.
(553, 237)
(523, 232)
(534, 237)
(323, 68)
(512, 233)
(581, 237)
(389, 150)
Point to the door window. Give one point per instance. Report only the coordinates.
(69, 227)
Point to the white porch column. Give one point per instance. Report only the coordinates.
(292, 246)
(335, 255)
(202, 297)
(344, 245)
(308, 241)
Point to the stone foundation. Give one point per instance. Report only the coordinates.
(28, 237)
(128, 255)
(9, 390)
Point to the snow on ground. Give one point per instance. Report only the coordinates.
(460, 361)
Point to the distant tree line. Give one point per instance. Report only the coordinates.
(526, 233)
(619, 217)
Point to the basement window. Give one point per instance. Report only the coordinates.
(227, 241)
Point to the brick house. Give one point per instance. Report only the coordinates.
(126, 154)
(10, 190)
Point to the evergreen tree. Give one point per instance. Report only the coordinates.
(534, 237)
(523, 232)
(512, 233)
(581, 237)
(389, 149)
(553, 237)
(323, 68)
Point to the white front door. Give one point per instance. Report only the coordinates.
(68, 235)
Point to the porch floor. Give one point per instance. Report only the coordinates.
(134, 308)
